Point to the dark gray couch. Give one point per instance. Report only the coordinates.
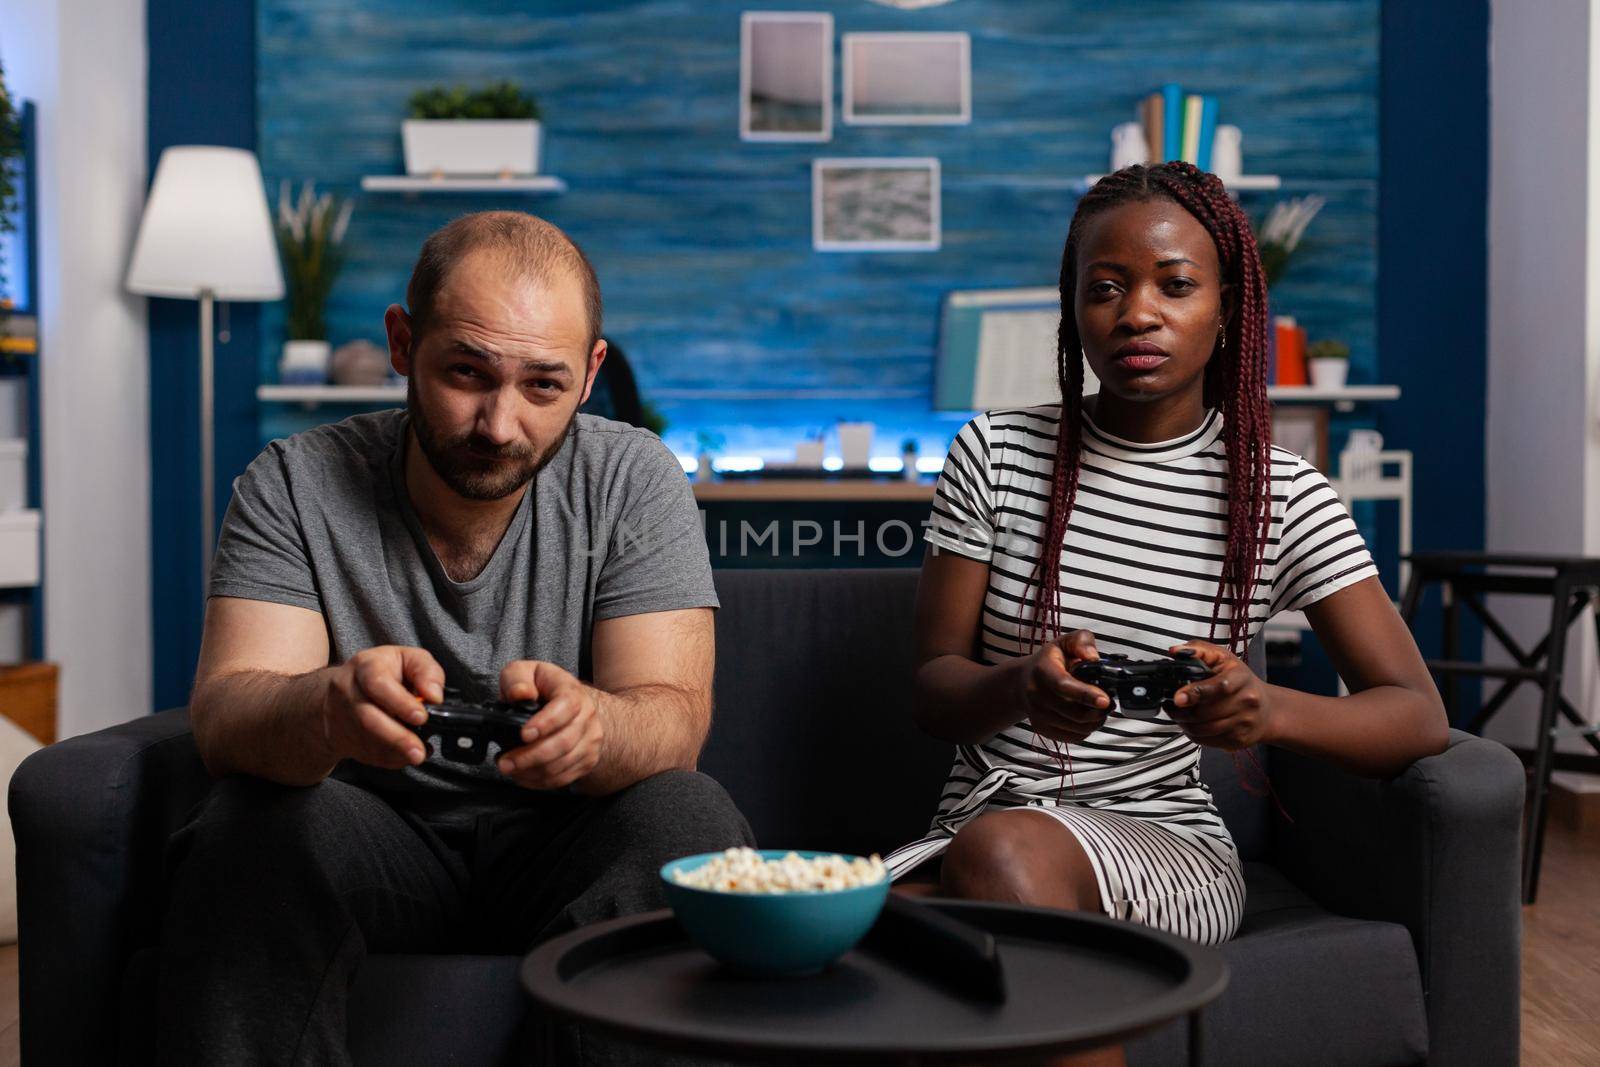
(1382, 925)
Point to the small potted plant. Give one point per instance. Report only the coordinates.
(1278, 236)
(908, 459)
(460, 132)
(311, 231)
(1330, 364)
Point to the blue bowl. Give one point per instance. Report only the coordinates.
(773, 933)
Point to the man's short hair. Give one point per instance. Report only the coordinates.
(531, 245)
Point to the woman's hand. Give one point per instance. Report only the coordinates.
(1059, 706)
(1230, 710)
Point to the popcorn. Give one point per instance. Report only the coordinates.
(742, 870)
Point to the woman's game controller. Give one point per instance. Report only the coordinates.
(465, 729)
(1140, 688)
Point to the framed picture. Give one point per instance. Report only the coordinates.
(875, 205)
(786, 76)
(1303, 430)
(907, 79)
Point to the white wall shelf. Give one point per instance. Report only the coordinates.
(1244, 183)
(529, 185)
(312, 395)
(1342, 399)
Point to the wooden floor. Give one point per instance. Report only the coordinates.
(1561, 953)
(1560, 961)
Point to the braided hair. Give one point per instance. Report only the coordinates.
(1236, 376)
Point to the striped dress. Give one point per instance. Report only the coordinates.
(1139, 568)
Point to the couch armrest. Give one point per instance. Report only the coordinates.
(1437, 849)
(91, 817)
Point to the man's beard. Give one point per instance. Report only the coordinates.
(474, 467)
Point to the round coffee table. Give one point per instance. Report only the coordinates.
(1073, 981)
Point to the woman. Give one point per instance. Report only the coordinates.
(1151, 517)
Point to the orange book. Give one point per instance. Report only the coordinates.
(1291, 351)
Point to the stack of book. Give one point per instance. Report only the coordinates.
(1178, 125)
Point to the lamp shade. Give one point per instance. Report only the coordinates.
(206, 227)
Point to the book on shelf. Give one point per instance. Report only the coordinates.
(1179, 125)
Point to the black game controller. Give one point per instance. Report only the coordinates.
(465, 728)
(1141, 688)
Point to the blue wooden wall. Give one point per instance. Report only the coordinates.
(703, 242)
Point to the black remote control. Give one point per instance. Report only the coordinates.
(465, 728)
(939, 947)
(1141, 688)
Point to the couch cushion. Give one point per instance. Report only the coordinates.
(1306, 986)
(436, 1009)
(813, 735)
(813, 715)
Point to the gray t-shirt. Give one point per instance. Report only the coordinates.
(322, 520)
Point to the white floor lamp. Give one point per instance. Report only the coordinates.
(206, 235)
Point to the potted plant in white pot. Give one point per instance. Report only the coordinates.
(311, 231)
(1330, 364)
(457, 132)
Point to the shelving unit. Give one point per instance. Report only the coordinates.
(1244, 183)
(530, 185)
(31, 596)
(313, 395)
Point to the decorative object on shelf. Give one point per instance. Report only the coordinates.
(875, 205)
(707, 444)
(1330, 364)
(13, 473)
(908, 459)
(1128, 145)
(1289, 347)
(1279, 235)
(10, 163)
(310, 233)
(786, 76)
(855, 443)
(1303, 431)
(1227, 154)
(206, 234)
(359, 362)
(907, 79)
(19, 549)
(455, 131)
(810, 452)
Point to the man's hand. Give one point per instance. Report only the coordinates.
(1058, 705)
(370, 697)
(1231, 709)
(564, 738)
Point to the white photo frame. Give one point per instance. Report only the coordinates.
(907, 79)
(786, 76)
(875, 204)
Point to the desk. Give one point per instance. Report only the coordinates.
(819, 489)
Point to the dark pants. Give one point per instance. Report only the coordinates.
(278, 893)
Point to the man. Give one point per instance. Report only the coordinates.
(490, 538)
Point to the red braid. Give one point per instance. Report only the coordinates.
(1236, 376)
